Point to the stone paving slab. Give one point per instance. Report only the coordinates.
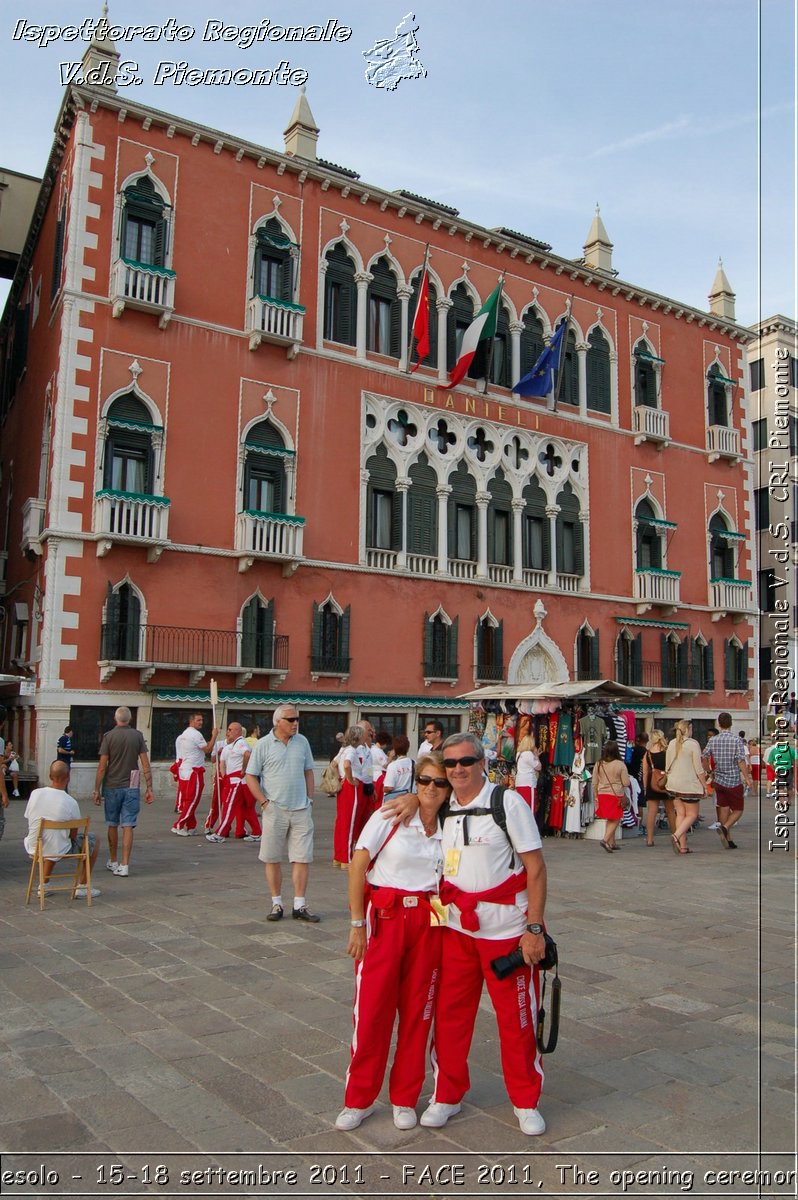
(171, 1016)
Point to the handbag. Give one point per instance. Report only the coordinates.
(330, 781)
(658, 779)
(624, 800)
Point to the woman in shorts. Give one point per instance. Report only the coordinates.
(686, 781)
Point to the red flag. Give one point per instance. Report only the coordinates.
(421, 321)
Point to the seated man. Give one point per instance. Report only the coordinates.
(54, 803)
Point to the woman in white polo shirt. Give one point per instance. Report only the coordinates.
(395, 942)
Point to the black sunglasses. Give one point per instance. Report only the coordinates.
(291, 719)
(468, 761)
(427, 779)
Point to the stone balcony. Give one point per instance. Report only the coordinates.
(262, 535)
(144, 287)
(722, 442)
(655, 586)
(650, 425)
(275, 321)
(730, 597)
(32, 526)
(133, 519)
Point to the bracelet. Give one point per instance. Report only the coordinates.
(358, 924)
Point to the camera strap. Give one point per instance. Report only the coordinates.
(548, 1046)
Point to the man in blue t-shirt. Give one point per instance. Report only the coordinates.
(65, 752)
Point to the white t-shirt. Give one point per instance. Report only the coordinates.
(410, 860)
(379, 760)
(50, 804)
(424, 748)
(354, 755)
(399, 775)
(233, 756)
(527, 769)
(190, 750)
(488, 860)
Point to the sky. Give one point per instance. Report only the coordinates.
(677, 118)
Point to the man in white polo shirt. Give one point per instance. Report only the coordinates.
(190, 751)
(280, 776)
(495, 886)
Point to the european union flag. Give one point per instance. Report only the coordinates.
(540, 380)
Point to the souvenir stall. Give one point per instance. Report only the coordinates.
(551, 735)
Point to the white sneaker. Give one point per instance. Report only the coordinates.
(436, 1115)
(121, 870)
(15, 793)
(403, 1117)
(214, 837)
(350, 1118)
(47, 889)
(714, 825)
(530, 1121)
(111, 865)
(252, 837)
(80, 893)
(180, 832)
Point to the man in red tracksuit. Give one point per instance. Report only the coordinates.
(496, 892)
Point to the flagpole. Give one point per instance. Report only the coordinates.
(415, 314)
(493, 339)
(563, 351)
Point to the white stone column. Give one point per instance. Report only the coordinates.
(402, 488)
(516, 329)
(443, 307)
(483, 501)
(552, 511)
(443, 492)
(518, 540)
(362, 281)
(364, 499)
(404, 293)
(581, 364)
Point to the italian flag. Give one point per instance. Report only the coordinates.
(481, 329)
(421, 322)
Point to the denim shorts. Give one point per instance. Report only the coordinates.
(77, 843)
(122, 806)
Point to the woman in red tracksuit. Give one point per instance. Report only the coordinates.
(396, 944)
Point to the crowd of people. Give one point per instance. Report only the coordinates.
(445, 870)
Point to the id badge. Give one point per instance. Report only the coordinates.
(451, 863)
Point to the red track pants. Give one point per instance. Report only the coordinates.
(189, 792)
(215, 810)
(238, 804)
(352, 811)
(465, 963)
(398, 974)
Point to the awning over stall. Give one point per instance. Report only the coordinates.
(585, 689)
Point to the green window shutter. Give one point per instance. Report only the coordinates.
(710, 666)
(315, 638)
(460, 314)
(665, 661)
(452, 648)
(532, 342)
(598, 372)
(340, 297)
(480, 645)
(728, 661)
(432, 357)
(696, 664)
(569, 393)
(58, 252)
(396, 521)
(594, 656)
(579, 548)
(110, 625)
(743, 666)
(683, 666)
(422, 521)
(343, 645)
(498, 644)
(637, 661)
(559, 541)
(427, 636)
(249, 634)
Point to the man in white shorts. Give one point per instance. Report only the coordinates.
(280, 776)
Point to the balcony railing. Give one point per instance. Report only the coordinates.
(173, 647)
(656, 586)
(275, 321)
(268, 535)
(730, 596)
(32, 525)
(129, 517)
(535, 578)
(438, 668)
(489, 672)
(650, 424)
(329, 664)
(422, 564)
(723, 442)
(383, 560)
(140, 285)
(462, 568)
(654, 677)
(500, 573)
(568, 583)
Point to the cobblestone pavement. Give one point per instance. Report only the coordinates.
(170, 1017)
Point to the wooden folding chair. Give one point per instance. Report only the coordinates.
(81, 859)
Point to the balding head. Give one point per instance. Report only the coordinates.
(123, 716)
(59, 775)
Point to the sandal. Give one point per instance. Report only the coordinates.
(677, 849)
(607, 847)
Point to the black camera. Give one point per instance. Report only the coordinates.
(507, 963)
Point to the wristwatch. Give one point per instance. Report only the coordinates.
(358, 924)
(535, 928)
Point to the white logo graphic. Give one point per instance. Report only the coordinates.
(393, 59)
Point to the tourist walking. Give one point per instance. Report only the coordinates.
(686, 782)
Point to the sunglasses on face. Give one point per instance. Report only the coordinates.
(292, 720)
(425, 780)
(468, 761)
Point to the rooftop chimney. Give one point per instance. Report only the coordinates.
(302, 132)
